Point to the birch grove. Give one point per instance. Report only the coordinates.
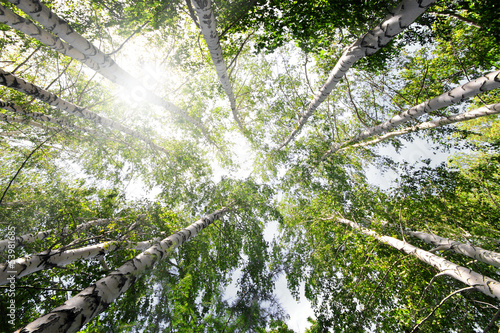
(483, 84)
(414, 66)
(106, 65)
(398, 19)
(79, 310)
(465, 275)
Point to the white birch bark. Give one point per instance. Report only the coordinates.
(475, 252)
(477, 113)
(14, 82)
(45, 118)
(82, 308)
(465, 275)
(485, 83)
(107, 66)
(394, 23)
(17, 22)
(30, 238)
(15, 269)
(209, 30)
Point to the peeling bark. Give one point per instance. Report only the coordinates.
(475, 252)
(465, 275)
(82, 308)
(397, 20)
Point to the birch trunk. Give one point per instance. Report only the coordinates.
(45, 118)
(208, 28)
(475, 252)
(393, 24)
(20, 267)
(481, 112)
(14, 82)
(17, 22)
(30, 238)
(82, 308)
(480, 282)
(485, 83)
(107, 66)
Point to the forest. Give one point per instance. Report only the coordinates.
(166, 164)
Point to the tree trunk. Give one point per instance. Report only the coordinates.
(397, 20)
(480, 282)
(480, 112)
(17, 22)
(15, 269)
(209, 30)
(485, 83)
(30, 238)
(82, 308)
(475, 252)
(14, 82)
(107, 66)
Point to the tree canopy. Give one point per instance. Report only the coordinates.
(164, 163)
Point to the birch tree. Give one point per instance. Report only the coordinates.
(95, 299)
(41, 13)
(207, 23)
(443, 244)
(398, 19)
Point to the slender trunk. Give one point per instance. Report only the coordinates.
(485, 83)
(480, 282)
(17, 22)
(480, 112)
(82, 308)
(397, 20)
(45, 118)
(30, 238)
(475, 252)
(209, 30)
(106, 65)
(15, 269)
(14, 82)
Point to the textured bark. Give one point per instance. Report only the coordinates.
(45, 118)
(485, 83)
(465, 275)
(49, 259)
(30, 238)
(107, 66)
(397, 20)
(17, 22)
(87, 304)
(481, 112)
(208, 28)
(14, 82)
(475, 252)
